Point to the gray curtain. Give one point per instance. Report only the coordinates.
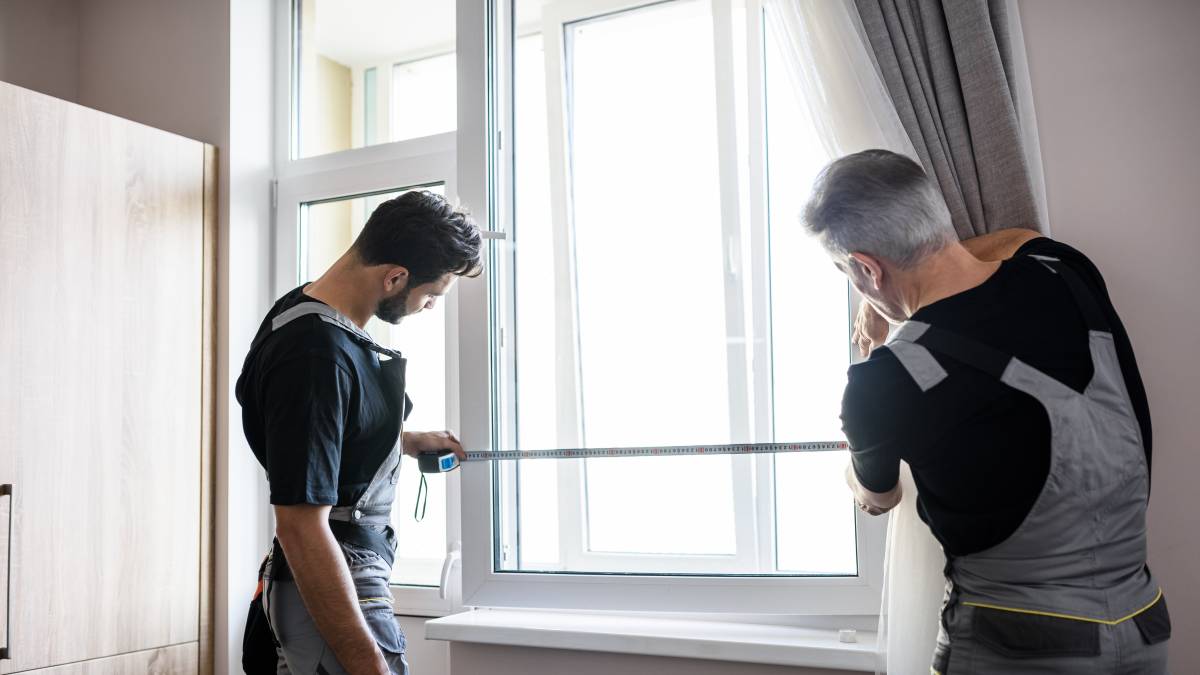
(948, 66)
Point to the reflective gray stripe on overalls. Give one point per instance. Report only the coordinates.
(1069, 590)
(363, 531)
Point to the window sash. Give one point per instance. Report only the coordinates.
(481, 482)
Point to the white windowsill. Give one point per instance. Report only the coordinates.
(653, 636)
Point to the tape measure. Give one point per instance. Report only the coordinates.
(441, 462)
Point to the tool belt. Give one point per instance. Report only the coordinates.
(345, 533)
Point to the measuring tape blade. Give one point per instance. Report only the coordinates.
(660, 451)
(442, 462)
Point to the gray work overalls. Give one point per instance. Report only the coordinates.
(363, 531)
(1069, 590)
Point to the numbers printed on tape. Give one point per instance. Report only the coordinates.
(446, 461)
(663, 451)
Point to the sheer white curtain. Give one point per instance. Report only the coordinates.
(833, 73)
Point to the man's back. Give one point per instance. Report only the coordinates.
(980, 450)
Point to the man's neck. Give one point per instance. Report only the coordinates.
(343, 288)
(943, 274)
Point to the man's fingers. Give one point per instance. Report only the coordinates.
(454, 445)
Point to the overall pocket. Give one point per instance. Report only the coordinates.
(1017, 635)
(1155, 623)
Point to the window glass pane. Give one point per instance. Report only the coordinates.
(370, 72)
(424, 94)
(663, 383)
(626, 332)
(328, 228)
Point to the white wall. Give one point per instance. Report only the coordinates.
(247, 168)
(39, 46)
(1117, 93)
(474, 659)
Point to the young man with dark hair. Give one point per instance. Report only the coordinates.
(324, 415)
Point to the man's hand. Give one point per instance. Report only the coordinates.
(870, 329)
(417, 442)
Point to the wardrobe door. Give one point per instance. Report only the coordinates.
(101, 275)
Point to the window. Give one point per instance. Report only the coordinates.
(646, 162)
(658, 291)
(367, 112)
(376, 72)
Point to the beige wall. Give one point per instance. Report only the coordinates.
(331, 105)
(39, 46)
(164, 63)
(1117, 92)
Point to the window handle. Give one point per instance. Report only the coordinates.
(453, 557)
(6, 490)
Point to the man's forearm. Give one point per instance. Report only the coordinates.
(327, 589)
(999, 245)
(874, 503)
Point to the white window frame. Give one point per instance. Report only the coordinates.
(484, 59)
(346, 174)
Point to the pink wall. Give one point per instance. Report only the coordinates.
(1117, 92)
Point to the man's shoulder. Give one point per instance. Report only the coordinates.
(1045, 247)
(311, 337)
(307, 336)
(879, 381)
(881, 368)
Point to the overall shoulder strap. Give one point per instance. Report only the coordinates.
(963, 349)
(328, 315)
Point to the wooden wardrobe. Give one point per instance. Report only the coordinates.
(107, 249)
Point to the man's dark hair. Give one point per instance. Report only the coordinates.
(422, 232)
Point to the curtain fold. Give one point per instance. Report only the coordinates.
(962, 95)
(832, 70)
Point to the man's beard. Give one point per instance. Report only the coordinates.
(393, 309)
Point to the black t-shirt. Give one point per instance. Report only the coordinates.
(314, 410)
(980, 450)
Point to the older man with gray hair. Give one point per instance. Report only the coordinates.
(1010, 388)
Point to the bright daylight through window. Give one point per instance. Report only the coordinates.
(380, 73)
(651, 304)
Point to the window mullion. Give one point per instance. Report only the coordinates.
(738, 357)
(571, 475)
(760, 283)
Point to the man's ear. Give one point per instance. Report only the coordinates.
(395, 279)
(870, 267)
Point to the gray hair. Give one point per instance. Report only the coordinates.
(879, 203)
